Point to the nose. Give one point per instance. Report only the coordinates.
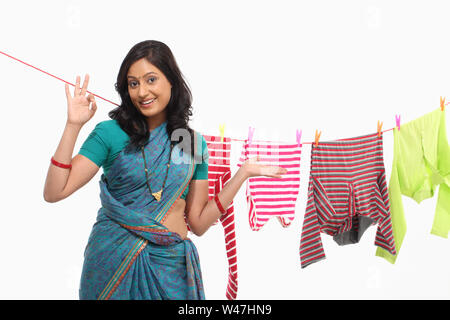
(143, 91)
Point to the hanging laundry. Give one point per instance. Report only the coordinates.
(421, 163)
(219, 173)
(269, 197)
(347, 193)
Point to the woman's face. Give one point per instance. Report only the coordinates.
(149, 89)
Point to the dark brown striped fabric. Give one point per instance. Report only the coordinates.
(347, 193)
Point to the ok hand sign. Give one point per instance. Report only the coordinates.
(78, 111)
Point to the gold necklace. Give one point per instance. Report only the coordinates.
(156, 195)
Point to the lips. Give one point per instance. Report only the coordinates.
(147, 103)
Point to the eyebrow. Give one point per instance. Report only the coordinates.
(143, 75)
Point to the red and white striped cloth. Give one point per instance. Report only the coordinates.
(347, 193)
(269, 197)
(219, 173)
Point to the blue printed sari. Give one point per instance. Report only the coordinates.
(130, 254)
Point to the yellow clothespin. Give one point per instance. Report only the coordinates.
(442, 103)
(316, 140)
(379, 125)
(222, 131)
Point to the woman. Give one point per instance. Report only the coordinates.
(138, 247)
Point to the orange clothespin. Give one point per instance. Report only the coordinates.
(379, 125)
(222, 131)
(316, 140)
(442, 103)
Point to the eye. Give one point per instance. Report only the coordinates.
(151, 79)
(132, 84)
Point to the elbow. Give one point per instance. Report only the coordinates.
(199, 234)
(52, 197)
(198, 231)
(48, 198)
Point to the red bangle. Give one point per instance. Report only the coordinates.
(61, 165)
(219, 205)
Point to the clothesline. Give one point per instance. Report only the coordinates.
(55, 77)
(233, 139)
(254, 140)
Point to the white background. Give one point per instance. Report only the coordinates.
(337, 66)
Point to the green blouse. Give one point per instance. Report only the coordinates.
(107, 140)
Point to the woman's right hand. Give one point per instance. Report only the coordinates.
(78, 112)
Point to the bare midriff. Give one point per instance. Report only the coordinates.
(175, 219)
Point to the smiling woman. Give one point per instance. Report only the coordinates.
(138, 247)
(149, 91)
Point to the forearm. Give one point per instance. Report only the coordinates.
(57, 177)
(210, 212)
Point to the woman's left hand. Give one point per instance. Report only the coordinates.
(253, 169)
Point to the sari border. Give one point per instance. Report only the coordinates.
(150, 228)
(120, 273)
(160, 217)
(186, 183)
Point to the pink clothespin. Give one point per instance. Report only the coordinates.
(397, 121)
(250, 134)
(299, 137)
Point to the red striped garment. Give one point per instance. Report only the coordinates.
(347, 193)
(269, 197)
(219, 174)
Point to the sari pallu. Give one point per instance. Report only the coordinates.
(130, 254)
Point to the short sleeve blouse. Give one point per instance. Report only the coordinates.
(107, 140)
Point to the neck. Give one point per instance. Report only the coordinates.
(155, 121)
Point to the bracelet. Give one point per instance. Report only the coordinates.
(61, 165)
(219, 205)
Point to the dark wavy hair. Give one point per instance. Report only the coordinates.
(179, 108)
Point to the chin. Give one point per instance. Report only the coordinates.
(149, 113)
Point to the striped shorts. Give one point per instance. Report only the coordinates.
(269, 197)
(347, 193)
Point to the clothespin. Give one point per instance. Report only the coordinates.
(250, 134)
(379, 125)
(222, 131)
(397, 121)
(299, 138)
(442, 103)
(316, 140)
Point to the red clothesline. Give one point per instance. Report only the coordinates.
(118, 105)
(233, 139)
(55, 77)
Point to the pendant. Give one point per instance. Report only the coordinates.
(157, 195)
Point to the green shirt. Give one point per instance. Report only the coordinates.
(107, 140)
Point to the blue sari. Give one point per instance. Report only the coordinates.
(130, 254)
